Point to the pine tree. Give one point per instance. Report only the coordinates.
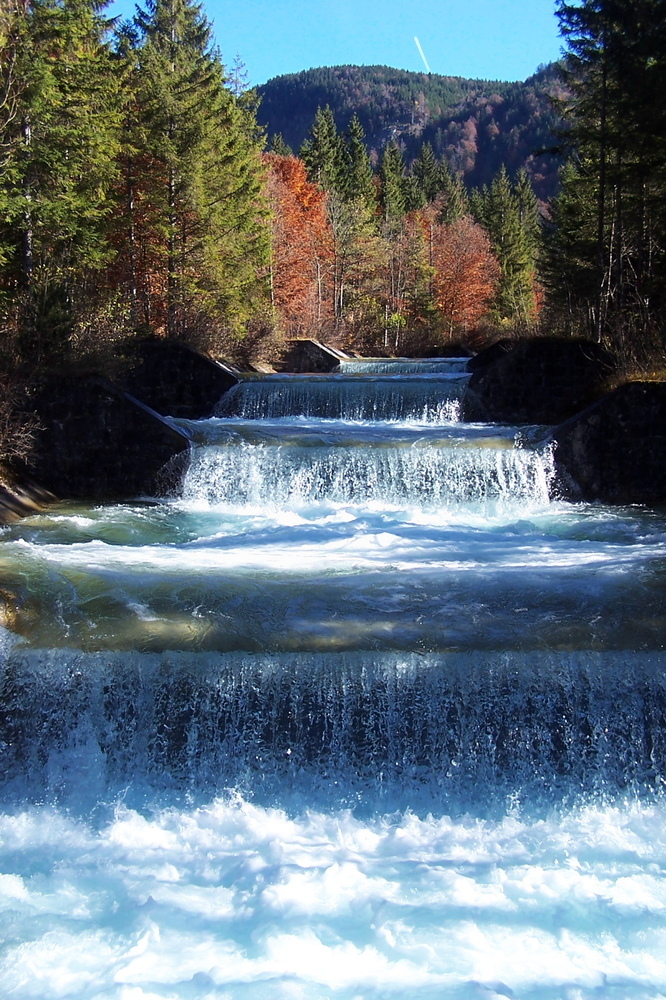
(616, 72)
(61, 144)
(528, 211)
(413, 195)
(570, 250)
(341, 166)
(499, 213)
(427, 174)
(392, 176)
(239, 78)
(478, 204)
(199, 174)
(12, 29)
(454, 201)
(361, 184)
(325, 153)
(279, 146)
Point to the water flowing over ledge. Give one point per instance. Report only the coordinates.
(424, 399)
(366, 712)
(438, 474)
(454, 733)
(402, 366)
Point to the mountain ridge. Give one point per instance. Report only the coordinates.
(475, 125)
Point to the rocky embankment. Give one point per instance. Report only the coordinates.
(609, 446)
(101, 440)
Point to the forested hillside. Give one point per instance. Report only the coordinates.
(476, 125)
(138, 195)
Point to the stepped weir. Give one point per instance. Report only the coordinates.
(365, 709)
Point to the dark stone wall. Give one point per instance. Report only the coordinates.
(448, 351)
(489, 355)
(97, 442)
(540, 381)
(615, 450)
(175, 380)
(309, 356)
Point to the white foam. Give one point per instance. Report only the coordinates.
(235, 897)
(437, 632)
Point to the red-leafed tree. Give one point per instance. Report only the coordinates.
(465, 270)
(302, 248)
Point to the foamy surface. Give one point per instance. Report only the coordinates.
(234, 900)
(364, 712)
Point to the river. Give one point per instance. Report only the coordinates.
(363, 711)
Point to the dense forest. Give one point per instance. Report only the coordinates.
(477, 126)
(141, 195)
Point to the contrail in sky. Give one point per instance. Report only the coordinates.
(425, 61)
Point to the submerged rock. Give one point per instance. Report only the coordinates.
(20, 498)
(176, 380)
(615, 450)
(97, 442)
(540, 381)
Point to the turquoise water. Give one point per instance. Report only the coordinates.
(363, 710)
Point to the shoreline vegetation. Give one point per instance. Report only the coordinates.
(138, 199)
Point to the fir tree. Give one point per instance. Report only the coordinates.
(325, 154)
(499, 213)
(528, 211)
(392, 175)
(361, 185)
(616, 72)
(413, 194)
(201, 174)
(279, 146)
(61, 144)
(427, 174)
(454, 202)
(570, 249)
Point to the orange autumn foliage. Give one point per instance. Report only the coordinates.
(466, 271)
(302, 244)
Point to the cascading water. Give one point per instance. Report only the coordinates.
(402, 366)
(364, 712)
(431, 398)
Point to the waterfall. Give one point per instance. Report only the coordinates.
(403, 366)
(365, 711)
(432, 476)
(425, 399)
(451, 731)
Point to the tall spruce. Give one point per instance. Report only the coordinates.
(570, 251)
(454, 201)
(498, 210)
(528, 211)
(325, 154)
(426, 171)
(279, 146)
(616, 72)
(392, 176)
(60, 143)
(198, 170)
(361, 183)
(351, 213)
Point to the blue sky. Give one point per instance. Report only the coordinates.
(490, 39)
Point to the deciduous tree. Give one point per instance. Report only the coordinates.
(302, 245)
